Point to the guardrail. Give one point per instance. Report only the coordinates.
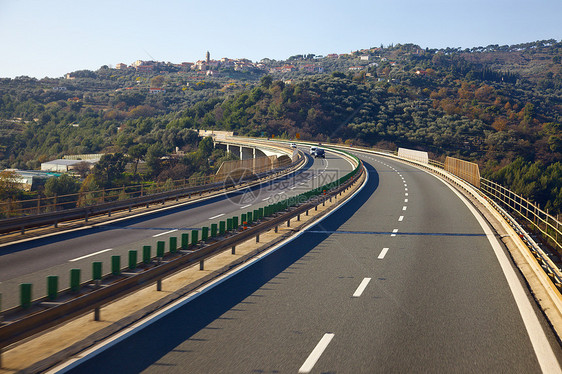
(191, 250)
(115, 203)
(545, 223)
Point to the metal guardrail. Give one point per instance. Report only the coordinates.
(54, 218)
(544, 222)
(279, 213)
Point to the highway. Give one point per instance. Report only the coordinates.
(32, 261)
(402, 278)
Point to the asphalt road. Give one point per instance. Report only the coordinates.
(400, 279)
(33, 261)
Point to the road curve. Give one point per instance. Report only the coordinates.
(34, 260)
(400, 279)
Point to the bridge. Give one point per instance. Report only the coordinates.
(405, 275)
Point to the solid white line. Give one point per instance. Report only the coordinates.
(359, 291)
(245, 206)
(316, 353)
(383, 253)
(217, 216)
(164, 233)
(394, 232)
(545, 356)
(91, 254)
(401, 218)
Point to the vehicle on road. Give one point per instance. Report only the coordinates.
(293, 145)
(319, 153)
(313, 150)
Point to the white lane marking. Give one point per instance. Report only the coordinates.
(217, 216)
(267, 198)
(405, 200)
(405, 189)
(405, 185)
(292, 188)
(359, 291)
(164, 233)
(383, 253)
(316, 353)
(401, 218)
(406, 194)
(394, 232)
(404, 207)
(545, 356)
(91, 254)
(245, 206)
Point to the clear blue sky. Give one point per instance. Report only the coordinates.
(42, 38)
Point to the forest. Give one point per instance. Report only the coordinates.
(498, 106)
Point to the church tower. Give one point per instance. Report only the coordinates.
(208, 57)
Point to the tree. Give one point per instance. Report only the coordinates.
(9, 185)
(137, 152)
(157, 81)
(62, 185)
(206, 147)
(266, 81)
(109, 168)
(82, 168)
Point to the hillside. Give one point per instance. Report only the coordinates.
(494, 105)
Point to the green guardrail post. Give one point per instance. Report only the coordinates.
(184, 240)
(75, 280)
(214, 229)
(261, 212)
(52, 286)
(243, 218)
(249, 217)
(146, 254)
(96, 270)
(204, 233)
(222, 227)
(133, 259)
(228, 224)
(194, 237)
(173, 244)
(116, 265)
(160, 247)
(256, 214)
(25, 294)
(235, 224)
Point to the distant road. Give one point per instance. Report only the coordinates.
(400, 279)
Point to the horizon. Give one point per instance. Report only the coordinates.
(51, 39)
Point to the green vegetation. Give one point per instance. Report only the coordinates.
(499, 106)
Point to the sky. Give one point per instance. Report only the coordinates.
(49, 38)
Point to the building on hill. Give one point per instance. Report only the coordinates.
(61, 165)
